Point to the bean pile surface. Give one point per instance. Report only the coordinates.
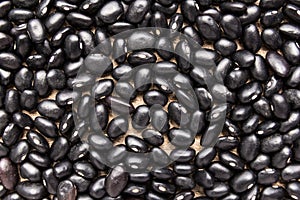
(88, 115)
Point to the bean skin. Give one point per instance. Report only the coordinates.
(116, 181)
(8, 173)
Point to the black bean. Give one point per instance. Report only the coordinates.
(122, 70)
(153, 137)
(204, 98)
(8, 173)
(280, 106)
(249, 147)
(119, 50)
(73, 47)
(43, 8)
(117, 154)
(227, 143)
(135, 144)
(231, 26)
(218, 190)
(237, 8)
(162, 173)
(31, 190)
(293, 189)
(225, 46)
(291, 11)
(163, 188)
(46, 127)
(220, 172)
(205, 156)
(204, 178)
(56, 79)
(66, 190)
(231, 160)
(50, 181)
(19, 151)
(184, 182)
(141, 117)
(271, 4)
(20, 15)
(193, 35)
(119, 27)
(13, 196)
(208, 27)
(249, 92)
(99, 142)
(50, 109)
(244, 58)
(90, 7)
(271, 37)
(9, 61)
(39, 159)
(5, 77)
(5, 25)
(180, 115)
(79, 20)
(180, 137)
(11, 134)
(140, 177)
(230, 196)
(64, 6)
(62, 169)
(5, 41)
(30, 172)
(175, 24)
(168, 10)
(118, 105)
(251, 15)
(118, 126)
(271, 18)
(290, 172)
(3, 150)
(80, 183)
(159, 20)
(41, 85)
(22, 120)
(190, 10)
(154, 196)
(59, 37)
(159, 156)
(290, 30)
(84, 169)
(36, 30)
(59, 148)
(125, 90)
(291, 136)
(271, 143)
(259, 69)
(293, 80)
(243, 181)
(5, 6)
(291, 122)
(251, 38)
(116, 181)
(252, 193)
(102, 89)
(267, 176)
(236, 78)
(263, 107)
(137, 10)
(273, 193)
(54, 22)
(97, 188)
(155, 97)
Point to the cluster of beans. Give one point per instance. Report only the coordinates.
(43, 43)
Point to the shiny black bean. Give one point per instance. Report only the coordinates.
(167, 10)
(136, 144)
(153, 137)
(137, 10)
(22, 120)
(5, 41)
(40, 85)
(57, 58)
(11, 134)
(227, 143)
(80, 183)
(59, 37)
(84, 169)
(137, 162)
(5, 6)
(37, 141)
(36, 61)
(290, 30)
(11, 101)
(251, 15)
(118, 126)
(43, 8)
(219, 171)
(290, 172)
(225, 46)
(251, 38)
(110, 12)
(180, 137)
(97, 188)
(267, 127)
(204, 179)
(204, 98)
(241, 112)
(20, 15)
(271, 4)
(54, 22)
(119, 50)
(44, 48)
(260, 162)
(66, 190)
(243, 181)
(86, 38)
(99, 142)
(90, 7)
(159, 119)
(280, 106)
(249, 147)
(183, 169)
(271, 37)
(50, 181)
(293, 189)
(62, 169)
(30, 172)
(231, 26)
(119, 27)
(249, 92)
(116, 181)
(36, 30)
(9, 61)
(155, 97)
(64, 6)
(205, 156)
(50, 109)
(19, 151)
(163, 188)
(29, 99)
(290, 123)
(159, 156)
(3, 150)
(232, 129)
(190, 10)
(263, 107)
(140, 177)
(8, 173)
(183, 55)
(273, 193)
(291, 136)
(179, 114)
(205, 58)
(231, 160)
(46, 127)
(5, 118)
(141, 57)
(218, 190)
(103, 88)
(291, 52)
(272, 143)
(244, 58)
(236, 8)
(271, 18)
(267, 176)
(79, 20)
(122, 70)
(236, 78)
(59, 148)
(294, 77)
(259, 70)
(154, 196)
(291, 11)
(117, 154)
(38, 159)
(56, 79)
(175, 23)
(208, 27)
(192, 33)
(31, 190)
(101, 118)
(184, 182)
(159, 20)
(252, 193)
(5, 26)
(73, 47)
(231, 196)
(293, 96)
(141, 117)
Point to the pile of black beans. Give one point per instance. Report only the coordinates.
(255, 48)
